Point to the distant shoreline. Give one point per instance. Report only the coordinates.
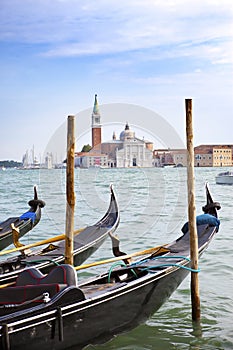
(10, 164)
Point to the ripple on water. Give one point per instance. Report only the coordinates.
(153, 208)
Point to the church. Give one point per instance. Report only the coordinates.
(126, 152)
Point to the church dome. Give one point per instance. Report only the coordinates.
(127, 134)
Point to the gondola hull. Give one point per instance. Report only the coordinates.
(96, 311)
(85, 244)
(92, 322)
(23, 223)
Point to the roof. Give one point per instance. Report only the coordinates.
(96, 106)
(89, 154)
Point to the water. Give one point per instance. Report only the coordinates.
(153, 206)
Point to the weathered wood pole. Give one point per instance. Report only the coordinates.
(70, 193)
(195, 297)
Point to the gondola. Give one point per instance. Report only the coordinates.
(23, 223)
(86, 243)
(56, 312)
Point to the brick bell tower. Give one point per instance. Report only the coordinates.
(96, 126)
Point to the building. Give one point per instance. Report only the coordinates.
(96, 126)
(48, 161)
(128, 151)
(170, 157)
(204, 156)
(213, 155)
(91, 160)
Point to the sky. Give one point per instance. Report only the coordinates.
(56, 55)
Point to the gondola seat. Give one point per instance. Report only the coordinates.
(62, 274)
(31, 285)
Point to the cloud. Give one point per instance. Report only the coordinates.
(72, 28)
(150, 52)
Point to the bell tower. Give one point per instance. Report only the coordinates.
(96, 126)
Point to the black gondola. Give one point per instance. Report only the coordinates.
(96, 310)
(86, 243)
(23, 223)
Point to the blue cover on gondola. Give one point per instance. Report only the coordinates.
(203, 219)
(28, 215)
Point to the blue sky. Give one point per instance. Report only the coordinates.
(55, 55)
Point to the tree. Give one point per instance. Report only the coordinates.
(10, 164)
(86, 148)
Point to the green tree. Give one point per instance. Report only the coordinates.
(86, 148)
(10, 164)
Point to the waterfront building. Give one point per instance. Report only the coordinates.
(213, 155)
(91, 160)
(127, 151)
(204, 156)
(170, 157)
(130, 151)
(48, 161)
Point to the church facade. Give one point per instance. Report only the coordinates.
(127, 151)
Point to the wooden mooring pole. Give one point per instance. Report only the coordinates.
(195, 296)
(70, 193)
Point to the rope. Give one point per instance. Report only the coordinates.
(118, 264)
(160, 257)
(166, 265)
(150, 268)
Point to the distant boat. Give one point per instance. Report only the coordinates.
(60, 166)
(3, 168)
(225, 178)
(169, 165)
(30, 161)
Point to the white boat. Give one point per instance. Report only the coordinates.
(225, 178)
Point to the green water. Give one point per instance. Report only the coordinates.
(153, 208)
